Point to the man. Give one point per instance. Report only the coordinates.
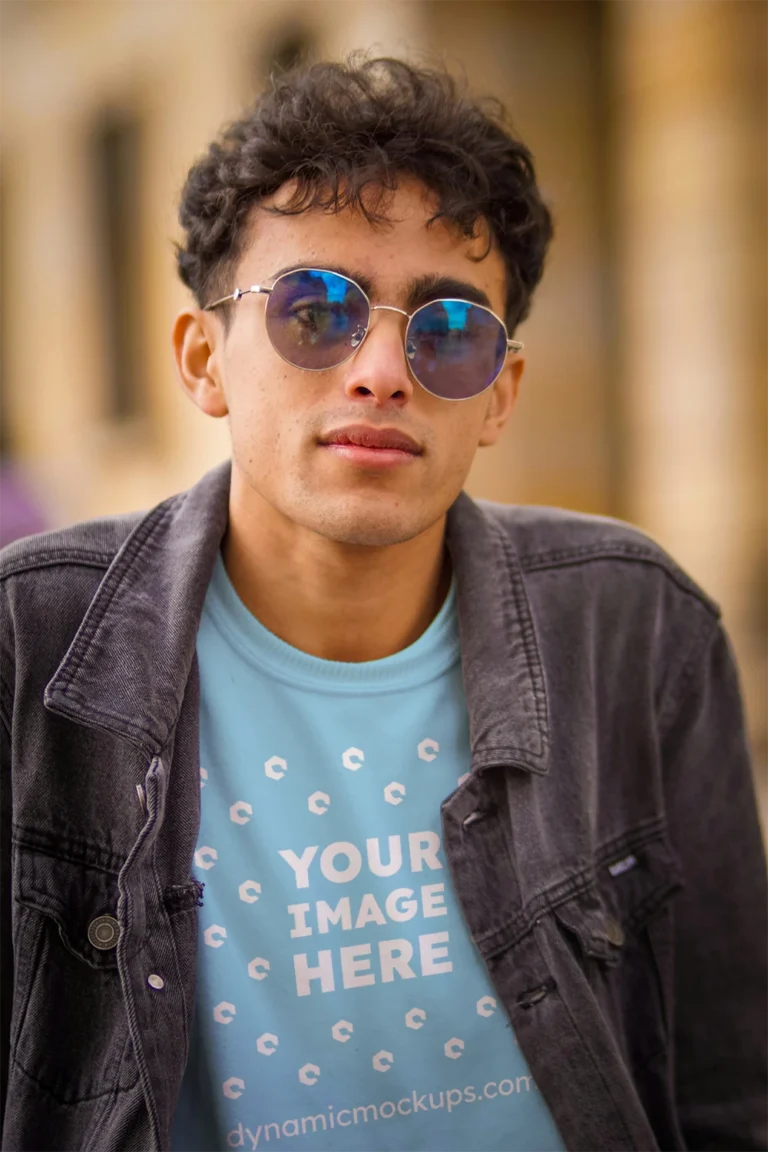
(340, 809)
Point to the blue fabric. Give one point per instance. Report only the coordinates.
(340, 1003)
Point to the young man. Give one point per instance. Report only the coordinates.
(340, 809)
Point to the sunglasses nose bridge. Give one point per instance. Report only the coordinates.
(381, 370)
(398, 311)
(386, 308)
(363, 330)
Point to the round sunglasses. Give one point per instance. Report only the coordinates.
(317, 319)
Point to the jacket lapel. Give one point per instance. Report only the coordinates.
(501, 666)
(127, 668)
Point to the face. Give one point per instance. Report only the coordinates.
(279, 415)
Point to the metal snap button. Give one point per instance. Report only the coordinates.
(103, 932)
(614, 932)
(478, 814)
(155, 981)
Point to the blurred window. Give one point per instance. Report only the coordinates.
(117, 173)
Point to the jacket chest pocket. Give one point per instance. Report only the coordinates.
(620, 930)
(69, 1032)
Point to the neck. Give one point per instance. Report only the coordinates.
(337, 601)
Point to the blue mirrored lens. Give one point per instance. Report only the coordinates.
(455, 349)
(316, 319)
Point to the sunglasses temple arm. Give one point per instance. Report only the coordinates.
(236, 295)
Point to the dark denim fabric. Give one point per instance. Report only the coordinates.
(605, 847)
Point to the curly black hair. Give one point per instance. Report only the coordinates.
(343, 133)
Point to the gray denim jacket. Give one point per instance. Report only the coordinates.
(605, 847)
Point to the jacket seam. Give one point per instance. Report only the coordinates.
(644, 832)
(5, 712)
(480, 759)
(8, 654)
(565, 558)
(145, 739)
(74, 556)
(125, 917)
(530, 643)
(60, 1099)
(22, 989)
(677, 691)
(22, 840)
(548, 901)
(107, 1103)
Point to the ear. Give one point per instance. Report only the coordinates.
(502, 401)
(198, 340)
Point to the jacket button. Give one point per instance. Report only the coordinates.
(478, 814)
(103, 932)
(614, 932)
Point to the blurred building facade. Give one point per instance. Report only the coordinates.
(645, 388)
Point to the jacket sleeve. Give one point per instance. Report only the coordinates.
(721, 936)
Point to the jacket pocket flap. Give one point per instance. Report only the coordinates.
(75, 897)
(630, 885)
(585, 916)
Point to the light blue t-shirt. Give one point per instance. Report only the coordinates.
(341, 1003)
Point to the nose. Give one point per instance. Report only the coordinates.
(379, 367)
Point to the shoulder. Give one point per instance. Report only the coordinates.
(90, 544)
(547, 539)
(603, 595)
(47, 582)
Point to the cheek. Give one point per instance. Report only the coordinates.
(464, 430)
(252, 413)
(265, 418)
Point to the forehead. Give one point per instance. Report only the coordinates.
(391, 254)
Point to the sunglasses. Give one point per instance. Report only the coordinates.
(317, 320)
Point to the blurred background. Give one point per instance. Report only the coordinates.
(647, 359)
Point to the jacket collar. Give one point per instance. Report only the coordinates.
(500, 661)
(127, 668)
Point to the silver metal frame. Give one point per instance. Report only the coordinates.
(259, 289)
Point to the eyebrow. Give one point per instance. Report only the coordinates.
(360, 278)
(419, 290)
(436, 287)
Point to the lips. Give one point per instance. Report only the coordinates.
(365, 436)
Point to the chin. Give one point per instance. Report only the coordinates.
(369, 535)
(371, 528)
